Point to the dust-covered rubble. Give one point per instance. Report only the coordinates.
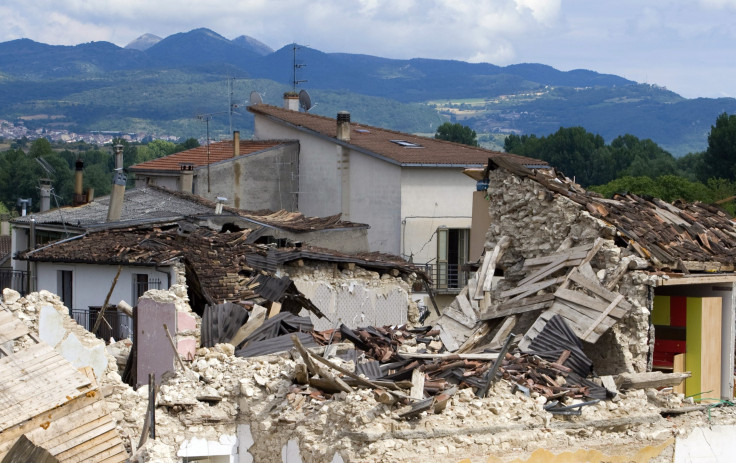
(258, 400)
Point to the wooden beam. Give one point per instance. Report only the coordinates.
(601, 317)
(255, 320)
(651, 379)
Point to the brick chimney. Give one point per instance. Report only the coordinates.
(291, 101)
(236, 143)
(343, 126)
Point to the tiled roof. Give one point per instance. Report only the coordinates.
(220, 260)
(678, 236)
(218, 151)
(139, 204)
(156, 204)
(379, 142)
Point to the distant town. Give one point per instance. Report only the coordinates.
(13, 131)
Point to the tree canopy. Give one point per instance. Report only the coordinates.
(719, 159)
(457, 133)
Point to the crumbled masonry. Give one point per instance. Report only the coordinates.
(218, 392)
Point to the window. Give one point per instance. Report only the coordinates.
(64, 285)
(142, 283)
(407, 144)
(453, 248)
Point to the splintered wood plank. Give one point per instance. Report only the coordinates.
(559, 263)
(591, 303)
(448, 340)
(528, 289)
(594, 287)
(11, 327)
(503, 331)
(454, 313)
(482, 276)
(526, 305)
(255, 320)
(576, 253)
(501, 246)
(601, 317)
(464, 306)
(47, 419)
(40, 392)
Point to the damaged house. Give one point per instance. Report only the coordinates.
(644, 284)
(410, 189)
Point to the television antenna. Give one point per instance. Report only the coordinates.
(233, 105)
(305, 101)
(206, 117)
(294, 81)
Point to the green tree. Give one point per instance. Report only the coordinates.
(457, 133)
(720, 156)
(40, 147)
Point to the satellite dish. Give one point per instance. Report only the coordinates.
(255, 98)
(305, 101)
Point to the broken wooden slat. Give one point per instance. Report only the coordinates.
(255, 320)
(559, 263)
(503, 331)
(602, 316)
(528, 304)
(417, 381)
(651, 379)
(588, 302)
(501, 246)
(525, 290)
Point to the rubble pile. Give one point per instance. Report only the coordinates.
(262, 401)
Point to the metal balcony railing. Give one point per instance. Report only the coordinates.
(14, 279)
(121, 325)
(446, 278)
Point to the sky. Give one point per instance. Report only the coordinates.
(687, 46)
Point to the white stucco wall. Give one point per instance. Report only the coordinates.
(90, 283)
(431, 197)
(319, 182)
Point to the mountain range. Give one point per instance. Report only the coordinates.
(160, 85)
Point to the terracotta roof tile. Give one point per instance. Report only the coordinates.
(379, 141)
(219, 151)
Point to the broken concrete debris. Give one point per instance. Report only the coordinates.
(250, 406)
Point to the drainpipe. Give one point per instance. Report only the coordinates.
(30, 268)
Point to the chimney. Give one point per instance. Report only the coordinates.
(343, 126)
(118, 156)
(236, 143)
(78, 198)
(45, 194)
(90, 195)
(117, 195)
(4, 224)
(186, 177)
(291, 101)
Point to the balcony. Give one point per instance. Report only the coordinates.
(446, 278)
(119, 325)
(14, 279)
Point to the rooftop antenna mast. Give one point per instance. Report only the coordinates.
(206, 118)
(294, 81)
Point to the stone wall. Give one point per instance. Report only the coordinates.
(538, 221)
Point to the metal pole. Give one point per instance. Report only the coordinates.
(207, 120)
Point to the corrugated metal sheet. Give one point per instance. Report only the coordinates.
(276, 344)
(221, 322)
(557, 337)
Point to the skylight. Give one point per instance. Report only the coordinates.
(407, 144)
